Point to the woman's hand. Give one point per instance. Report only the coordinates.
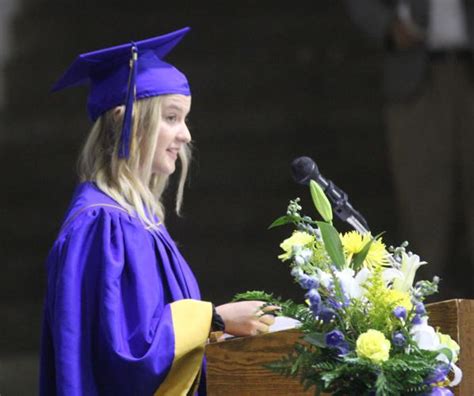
(245, 318)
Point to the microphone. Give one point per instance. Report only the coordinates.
(304, 169)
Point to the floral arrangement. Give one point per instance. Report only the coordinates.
(364, 322)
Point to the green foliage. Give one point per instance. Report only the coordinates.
(325, 365)
(382, 385)
(288, 308)
(316, 339)
(293, 363)
(288, 366)
(403, 374)
(447, 352)
(316, 365)
(299, 312)
(283, 220)
(426, 288)
(320, 257)
(379, 316)
(359, 258)
(332, 243)
(254, 295)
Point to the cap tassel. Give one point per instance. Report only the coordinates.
(124, 151)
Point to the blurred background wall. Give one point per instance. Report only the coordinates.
(270, 82)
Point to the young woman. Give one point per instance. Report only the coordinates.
(123, 314)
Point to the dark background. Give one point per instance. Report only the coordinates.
(271, 81)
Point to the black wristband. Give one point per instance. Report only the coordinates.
(217, 323)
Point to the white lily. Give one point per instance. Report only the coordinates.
(350, 284)
(427, 338)
(457, 375)
(410, 264)
(391, 274)
(362, 276)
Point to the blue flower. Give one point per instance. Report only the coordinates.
(400, 312)
(343, 348)
(420, 308)
(334, 303)
(334, 338)
(308, 282)
(326, 314)
(314, 297)
(315, 309)
(438, 391)
(417, 320)
(439, 374)
(398, 339)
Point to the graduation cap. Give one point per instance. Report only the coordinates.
(119, 75)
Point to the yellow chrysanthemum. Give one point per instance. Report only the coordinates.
(397, 298)
(353, 243)
(373, 345)
(299, 238)
(377, 255)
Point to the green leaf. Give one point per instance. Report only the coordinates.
(317, 339)
(286, 366)
(379, 235)
(447, 352)
(329, 377)
(381, 385)
(333, 244)
(254, 295)
(359, 258)
(321, 202)
(281, 221)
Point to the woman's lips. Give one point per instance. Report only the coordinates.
(173, 153)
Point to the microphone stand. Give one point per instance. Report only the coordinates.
(305, 169)
(342, 207)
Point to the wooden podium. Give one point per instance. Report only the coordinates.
(235, 367)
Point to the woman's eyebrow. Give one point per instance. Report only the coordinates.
(173, 107)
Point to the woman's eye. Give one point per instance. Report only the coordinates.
(171, 118)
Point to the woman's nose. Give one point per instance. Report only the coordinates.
(184, 135)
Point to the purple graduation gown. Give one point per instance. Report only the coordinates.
(107, 325)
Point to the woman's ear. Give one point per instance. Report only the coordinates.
(118, 111)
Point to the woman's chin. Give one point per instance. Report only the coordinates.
(165, 169)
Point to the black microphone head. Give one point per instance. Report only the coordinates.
(303, 169)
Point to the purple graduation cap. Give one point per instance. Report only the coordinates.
(119, 75)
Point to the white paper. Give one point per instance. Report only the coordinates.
(284, 323)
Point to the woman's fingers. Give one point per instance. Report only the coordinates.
(267, 314)
(267, 319)
(247, 317)
(261, 328)
(271, 308)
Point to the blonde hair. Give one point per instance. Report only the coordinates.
(131, 181)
